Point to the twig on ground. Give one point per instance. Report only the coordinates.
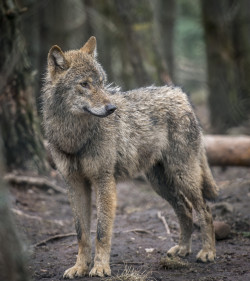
(126, 262)
(55, 237)
(33, 181)
(162, 218)
(22, 214)
(137, 230)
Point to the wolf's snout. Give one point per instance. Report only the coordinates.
(110, 108)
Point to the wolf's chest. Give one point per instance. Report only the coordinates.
(66, 135)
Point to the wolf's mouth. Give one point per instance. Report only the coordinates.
(106, 111)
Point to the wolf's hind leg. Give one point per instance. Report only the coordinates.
(182, 207)
(80, 199)
(190, 182)
(208, 251)
(183, 210)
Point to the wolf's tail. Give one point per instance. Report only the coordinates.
(209, 187)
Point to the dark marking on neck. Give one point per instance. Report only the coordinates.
(154, 120)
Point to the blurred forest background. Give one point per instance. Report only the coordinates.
(202, 46)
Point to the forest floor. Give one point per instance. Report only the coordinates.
(139, 240)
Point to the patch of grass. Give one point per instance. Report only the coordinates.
(173, 263)
(130, 274)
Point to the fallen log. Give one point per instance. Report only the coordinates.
(228, 150)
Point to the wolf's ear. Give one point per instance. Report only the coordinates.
(90, 47)
(56, 59)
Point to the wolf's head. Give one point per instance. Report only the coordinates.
(79, 81)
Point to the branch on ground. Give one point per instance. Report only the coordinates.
(39, 182)
(162, 218)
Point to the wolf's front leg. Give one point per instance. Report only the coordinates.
(80, 199)
(106, 205)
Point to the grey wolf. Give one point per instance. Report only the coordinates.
(99, 135)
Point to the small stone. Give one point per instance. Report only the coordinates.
(221, 230)
(149, 250)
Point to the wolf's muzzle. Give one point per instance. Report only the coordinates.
(101, 112)
(110, 108)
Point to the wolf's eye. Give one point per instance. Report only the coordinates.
(84, 84)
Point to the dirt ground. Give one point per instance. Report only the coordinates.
(140, 240)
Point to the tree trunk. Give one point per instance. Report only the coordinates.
(12, 260)
(99, 20)
(242, 53)
(30, 31)
(124, 10)
(61, 22)
(226, 25)
(19, 127)
(166, 14)
(136, 22)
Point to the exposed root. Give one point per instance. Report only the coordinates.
(32, 217)
(40, 182)
(22, 214)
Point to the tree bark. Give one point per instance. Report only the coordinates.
(19, 126)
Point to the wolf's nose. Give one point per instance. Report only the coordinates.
(110, 108)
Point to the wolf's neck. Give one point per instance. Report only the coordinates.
(70, 133)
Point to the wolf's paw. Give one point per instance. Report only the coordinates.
(181, 251)
(206, 256)
(100, 270)
(76, 271)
